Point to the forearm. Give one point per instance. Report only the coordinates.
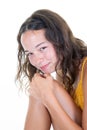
(58, 102)
(37, 116)
(61, 120)
(68, 104)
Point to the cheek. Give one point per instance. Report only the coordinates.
(32, 61)
(52, 54)
(47, 57)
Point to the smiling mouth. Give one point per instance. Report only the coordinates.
(44, 67)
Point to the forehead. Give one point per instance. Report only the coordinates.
(33, 34)
(31, 38)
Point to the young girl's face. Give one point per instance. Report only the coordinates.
(40, 52)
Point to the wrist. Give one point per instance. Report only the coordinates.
(47, 99)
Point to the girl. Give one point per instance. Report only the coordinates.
(47, 45)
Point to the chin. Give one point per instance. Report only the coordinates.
(49, 71)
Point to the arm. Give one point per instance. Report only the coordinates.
(65, 115)
(63, 120)
(67, 103)
(37, 116)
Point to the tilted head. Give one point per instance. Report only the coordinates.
(58, 33)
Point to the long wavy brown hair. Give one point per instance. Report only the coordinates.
(60, 35)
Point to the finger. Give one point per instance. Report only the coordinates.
(38, 75)
(47, 75)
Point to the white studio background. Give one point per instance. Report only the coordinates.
(13, 106)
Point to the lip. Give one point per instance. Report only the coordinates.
(44, 67)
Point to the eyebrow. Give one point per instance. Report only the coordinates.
(35, 46)
(39, 44)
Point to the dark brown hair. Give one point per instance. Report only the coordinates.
(60, 35)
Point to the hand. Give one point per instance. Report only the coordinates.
(41, 86)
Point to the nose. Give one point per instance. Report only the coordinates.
(39, 58)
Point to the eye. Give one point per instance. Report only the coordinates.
(28, 54)
(42, 48)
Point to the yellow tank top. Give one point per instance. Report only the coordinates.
(78, 94)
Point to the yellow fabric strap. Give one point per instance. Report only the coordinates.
(84, 61)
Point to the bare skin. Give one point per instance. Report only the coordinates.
(49, 102)
(70, 108)
(41, 117)
(37, 116)
(64, 117)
